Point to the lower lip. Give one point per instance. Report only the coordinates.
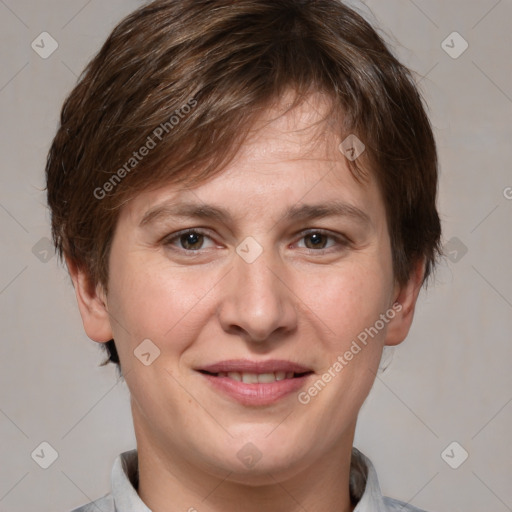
(257, 394)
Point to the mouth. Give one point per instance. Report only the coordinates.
(257, 378)
(256, 383)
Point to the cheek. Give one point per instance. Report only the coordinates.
(150, 298)
(348, 300)
(350, 304)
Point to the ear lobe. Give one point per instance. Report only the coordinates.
(92, 303)
(406, 296)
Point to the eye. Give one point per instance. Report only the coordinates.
(189, 240)
(195, 240)
(316, 240)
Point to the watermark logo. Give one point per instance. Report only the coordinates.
(44, 45)
(147, 352)
(44, 250)
(44, 455)
(454, 455)
(454, 45)
(352, 147)
(249, 250)
(249, 455)
(455, 249)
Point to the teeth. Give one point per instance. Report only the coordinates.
(266, 377)
(255, 378)
(249, 378)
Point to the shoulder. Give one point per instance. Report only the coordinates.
(399, 506)
(105, 504)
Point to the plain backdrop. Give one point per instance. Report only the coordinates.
(450, 381)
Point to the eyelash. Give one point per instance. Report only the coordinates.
(168, 241)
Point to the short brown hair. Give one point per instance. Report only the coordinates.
(197, 73)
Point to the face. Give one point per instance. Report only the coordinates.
(255, 290)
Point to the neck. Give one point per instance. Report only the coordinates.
(168, 481)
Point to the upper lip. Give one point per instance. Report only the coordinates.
(248, 366)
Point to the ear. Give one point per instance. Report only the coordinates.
(92, 303)
(406, 296)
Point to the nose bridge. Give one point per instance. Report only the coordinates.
(258, 302)
(256, 278)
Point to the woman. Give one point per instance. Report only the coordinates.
(245, 197)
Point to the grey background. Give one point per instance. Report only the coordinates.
(449, 381)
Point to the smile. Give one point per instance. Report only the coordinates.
(255, 383)
(255, 378)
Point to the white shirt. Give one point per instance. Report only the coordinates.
(364, 485)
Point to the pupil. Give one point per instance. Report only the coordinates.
(316, 239)
(191, 239)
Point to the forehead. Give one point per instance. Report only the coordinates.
(288, 153)
(304, 130)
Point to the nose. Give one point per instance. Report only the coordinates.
(258, 301)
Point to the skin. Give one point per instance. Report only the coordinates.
(297, 301)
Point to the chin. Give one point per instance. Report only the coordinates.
(261, 462)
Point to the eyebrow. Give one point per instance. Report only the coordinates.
(298, 212)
